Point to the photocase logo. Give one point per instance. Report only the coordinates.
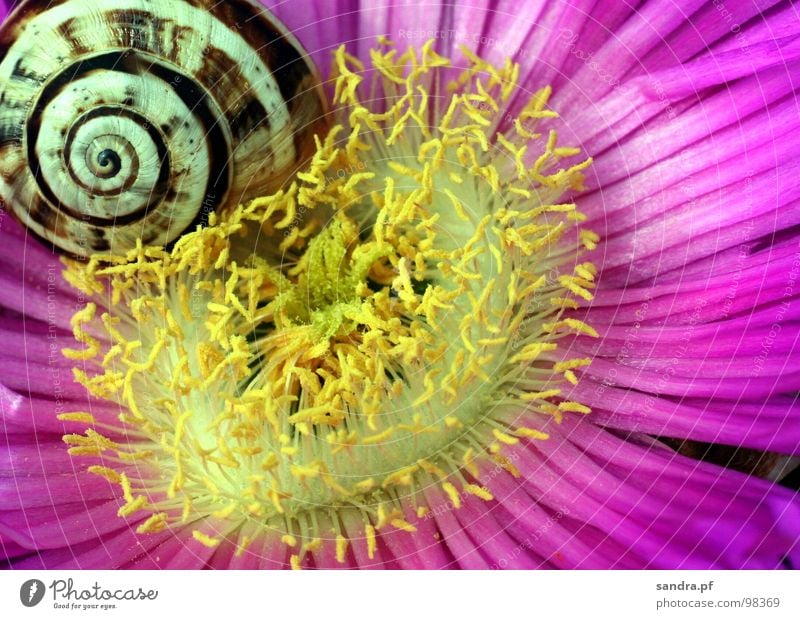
(67, 596)
(31, 592)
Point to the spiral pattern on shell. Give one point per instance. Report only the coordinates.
(134, 119)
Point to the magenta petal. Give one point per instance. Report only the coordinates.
(250, 547)
(63, 525)
(461, 545)
(320, 26)
(710, 27)
(680, 512)
(105, 553)
(768, 426)
(186, 553)
(431, 545)
(401, 547)
(34, 417)
(544, 534)
(10, 551)
(478, 519)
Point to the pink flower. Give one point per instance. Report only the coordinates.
(689, 328)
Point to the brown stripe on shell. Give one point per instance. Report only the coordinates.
(171, 125)
(170, 37)
(9, 175)
(19, 72)
(99, 241)
(139, 29)
(292, 72)
(281, 57)
(10, 135)
(67, 31)
(42, 213)
(242, 109)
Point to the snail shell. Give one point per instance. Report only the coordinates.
(128, 119)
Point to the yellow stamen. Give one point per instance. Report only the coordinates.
(294, 357)
(210, 542)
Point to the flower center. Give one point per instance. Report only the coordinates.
(318, 356)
